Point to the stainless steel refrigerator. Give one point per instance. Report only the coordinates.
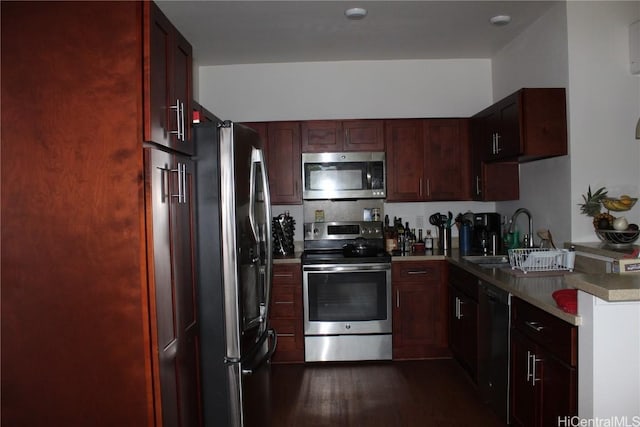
(233, 217)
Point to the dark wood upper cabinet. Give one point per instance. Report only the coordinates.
(427, 160)
(331, 136)
(319, 136)
(284, 160)
(527, 125)
(363, 135)
(167, 82)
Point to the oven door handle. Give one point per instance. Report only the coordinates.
(346, 268)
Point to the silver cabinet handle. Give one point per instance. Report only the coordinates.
(177, 110)
(183, 138)
(397, 298)
(529, 354)
(536, 326)
(428, 187)
(417, 272)
(498, 149)
(460, 304)
(179, 133)
(420, 184)
(182, 182)
(493, 143)
(478, 185)
(534, 360)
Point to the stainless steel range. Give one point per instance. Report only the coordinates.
(347, 292)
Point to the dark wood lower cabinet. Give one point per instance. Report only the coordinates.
(419, 310)
(286, 313)
(543, 367)
(463, 319)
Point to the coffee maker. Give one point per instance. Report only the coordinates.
(486, 234)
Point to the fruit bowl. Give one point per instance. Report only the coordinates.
(619, 205)
(618, 239)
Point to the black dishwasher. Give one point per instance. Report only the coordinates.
(493, 347)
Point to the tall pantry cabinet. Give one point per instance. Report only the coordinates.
(99, 320)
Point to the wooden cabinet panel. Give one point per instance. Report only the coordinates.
(543, 367)
(463, 319)
(286, 313)
(84, 203)
(331, 136)
(495, 181)
(284, 160)
(167, 81)
(405, 162)
(419, 314)
(447, 159)
(523, 409)
(319, 136)
(174, 284)
(527, 125)
(363, 135)
(463, 330)
(427, 160)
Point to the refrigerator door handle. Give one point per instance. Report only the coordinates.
(273, 344)
(257, 157)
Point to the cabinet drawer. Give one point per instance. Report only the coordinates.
(287, 274)
(555, 335)
(464, 281)
(416, 271)
(283, 303)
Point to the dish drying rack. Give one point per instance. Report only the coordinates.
(542, 259)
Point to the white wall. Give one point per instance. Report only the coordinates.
(538, 58)
(352, 89)
(347, 89)
(605, 105)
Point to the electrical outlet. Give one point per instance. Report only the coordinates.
(420, 221)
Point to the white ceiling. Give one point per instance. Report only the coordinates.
(241, 32)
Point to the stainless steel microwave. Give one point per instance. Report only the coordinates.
(354, 175)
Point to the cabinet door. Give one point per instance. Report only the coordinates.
(169, 181)
(524, 395)
(463, 330)
(363, 135)
(284, 163)
(405, 160)
(446, 159)
(559, 391)
(167, 83)
(500, 181)
(508, 140)
(321, 136)
(420, 307)
(182, 92)
(286, 313)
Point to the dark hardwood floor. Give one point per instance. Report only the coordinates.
(384, 394)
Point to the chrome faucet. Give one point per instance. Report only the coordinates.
(515, 215)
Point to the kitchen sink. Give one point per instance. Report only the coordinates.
(488, 261)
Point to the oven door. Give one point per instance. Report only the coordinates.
(347, 299)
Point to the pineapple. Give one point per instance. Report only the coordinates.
(592, 206)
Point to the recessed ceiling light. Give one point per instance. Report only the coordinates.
(500, 20)
(355, 13)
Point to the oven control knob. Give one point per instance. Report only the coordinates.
(347, 326)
